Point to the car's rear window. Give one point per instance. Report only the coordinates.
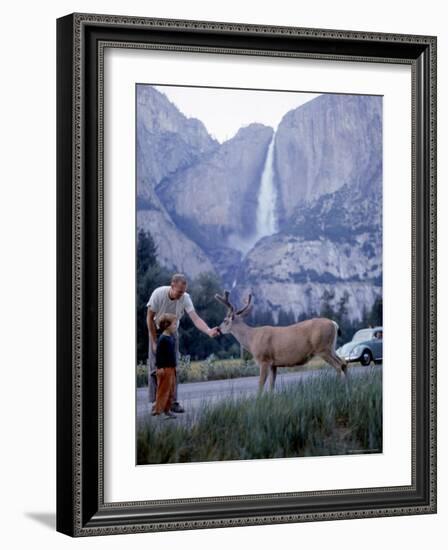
(362, 335)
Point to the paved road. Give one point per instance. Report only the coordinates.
(191, 395)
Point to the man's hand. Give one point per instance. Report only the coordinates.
(201, 325)
(213, 332)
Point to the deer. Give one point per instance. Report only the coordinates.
(289, 346)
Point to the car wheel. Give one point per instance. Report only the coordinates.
(366, 358)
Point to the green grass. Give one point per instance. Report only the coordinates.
(218, 369)
(320, 416)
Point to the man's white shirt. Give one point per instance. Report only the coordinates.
(161, 303)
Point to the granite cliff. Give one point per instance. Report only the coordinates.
(167, 142)
(201, 200)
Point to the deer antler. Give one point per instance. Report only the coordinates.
(246, 307)
(225, 300)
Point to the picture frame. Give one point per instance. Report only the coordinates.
(81, 506)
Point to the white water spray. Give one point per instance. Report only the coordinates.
(265, 218)
(267, 197)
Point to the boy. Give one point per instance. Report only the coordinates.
(172, 299)
(166, 359)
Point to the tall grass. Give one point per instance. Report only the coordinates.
(322, 415)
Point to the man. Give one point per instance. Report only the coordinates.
(172, 299)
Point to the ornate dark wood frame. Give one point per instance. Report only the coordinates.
(81, 39)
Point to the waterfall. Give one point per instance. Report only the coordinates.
(265, 218)
(267, 197)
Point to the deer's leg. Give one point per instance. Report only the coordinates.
(272, 376)
(263, 374)
(343, 363)
(333, 360)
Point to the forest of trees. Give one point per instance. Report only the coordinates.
(197, 345)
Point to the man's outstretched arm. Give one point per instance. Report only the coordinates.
(201, 325)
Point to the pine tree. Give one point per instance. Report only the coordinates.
(285, 318)
(376, 314)
(150, 275)
(193, 342)
(146, 252)
(326, 309)
(342, 312)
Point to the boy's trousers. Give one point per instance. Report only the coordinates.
(152, 373)
(166, 383)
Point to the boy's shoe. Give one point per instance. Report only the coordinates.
(169, 415)
(177, 408)
(154, 413)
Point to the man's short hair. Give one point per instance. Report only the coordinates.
(166, 320)
(178, 278)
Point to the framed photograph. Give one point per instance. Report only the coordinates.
(246, 274)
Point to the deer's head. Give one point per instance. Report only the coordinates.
(233, 316)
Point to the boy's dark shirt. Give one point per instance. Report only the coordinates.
(166, 352)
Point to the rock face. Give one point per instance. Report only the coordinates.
(215, 200)
(328, 159)
(293, 272)
(200, 201)
(174, 250)
(331, 141)
(167, 141)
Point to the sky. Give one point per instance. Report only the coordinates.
(224, 111)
